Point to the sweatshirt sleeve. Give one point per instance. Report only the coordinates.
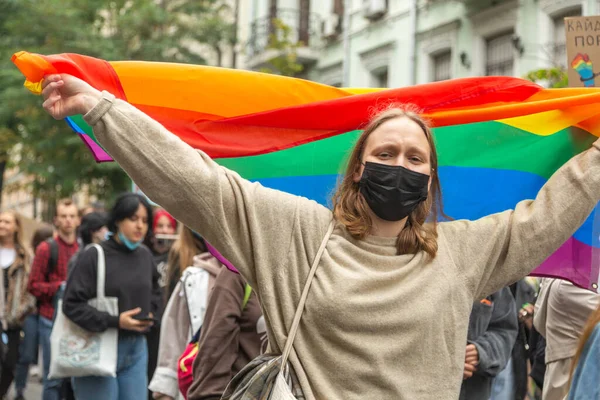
(502, 248)
(495, 345)
(219, 338)
(81, 287)
(248, 223)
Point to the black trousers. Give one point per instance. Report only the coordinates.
(152, 338)
(12, 357)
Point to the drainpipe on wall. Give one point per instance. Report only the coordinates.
(236, 26)
(412, 45)
(346, 44)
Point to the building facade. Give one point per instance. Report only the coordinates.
(395, 43)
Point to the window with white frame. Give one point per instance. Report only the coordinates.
(559, 56)
(500, 55)
(441, 66)
(379, 78)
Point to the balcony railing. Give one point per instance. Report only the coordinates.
(303, 28)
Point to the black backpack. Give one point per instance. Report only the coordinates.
(53, 260)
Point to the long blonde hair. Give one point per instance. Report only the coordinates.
(592, 321)
(351, 209)
(18, 237)
(182, 253)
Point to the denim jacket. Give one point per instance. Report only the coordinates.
(585, 379)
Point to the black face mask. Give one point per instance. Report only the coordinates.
(392, 192)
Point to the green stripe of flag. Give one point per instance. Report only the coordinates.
(485, 145)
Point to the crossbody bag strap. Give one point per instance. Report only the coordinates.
(101, 272)
(296, 322)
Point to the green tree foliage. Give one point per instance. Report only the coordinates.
(216, 30)
(285, 61)
(553, 77)
(151, 30)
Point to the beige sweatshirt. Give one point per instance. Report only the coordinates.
(377, 325)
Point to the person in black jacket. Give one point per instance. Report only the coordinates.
(131, 276)
(529, 349)
(490, 339)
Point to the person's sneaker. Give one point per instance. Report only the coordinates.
(35, 371)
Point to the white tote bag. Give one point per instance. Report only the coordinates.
(75, 352)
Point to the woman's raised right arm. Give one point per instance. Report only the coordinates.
(248, 223)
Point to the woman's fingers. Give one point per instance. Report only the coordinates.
(132, 312)
(49, 106)
(51, 88)
(470, 368)
(142, 326)
(48, 79)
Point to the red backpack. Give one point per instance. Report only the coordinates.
(185, 376)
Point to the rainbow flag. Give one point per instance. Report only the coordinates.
(499, 138)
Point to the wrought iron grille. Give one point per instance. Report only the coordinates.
(381, 78)
(442, 66)
(500, 55)
(560, 39)
(307, 30)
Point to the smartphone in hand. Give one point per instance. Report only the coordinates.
(146, 318)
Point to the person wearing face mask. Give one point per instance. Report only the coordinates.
(131, 276)
(92, 230)
(379, 281)
(164, 227)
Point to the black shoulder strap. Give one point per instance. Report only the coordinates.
(53, 260)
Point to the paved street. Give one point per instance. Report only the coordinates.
(33, 392)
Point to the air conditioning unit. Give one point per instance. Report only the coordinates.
(330, 26)
(373, 9)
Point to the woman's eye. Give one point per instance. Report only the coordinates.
(415, 159)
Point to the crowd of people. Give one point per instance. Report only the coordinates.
(162, 275)
(236, 291)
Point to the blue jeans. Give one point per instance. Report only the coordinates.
(28, 352)
(503, 386)
(52, 387)
(131, 381)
